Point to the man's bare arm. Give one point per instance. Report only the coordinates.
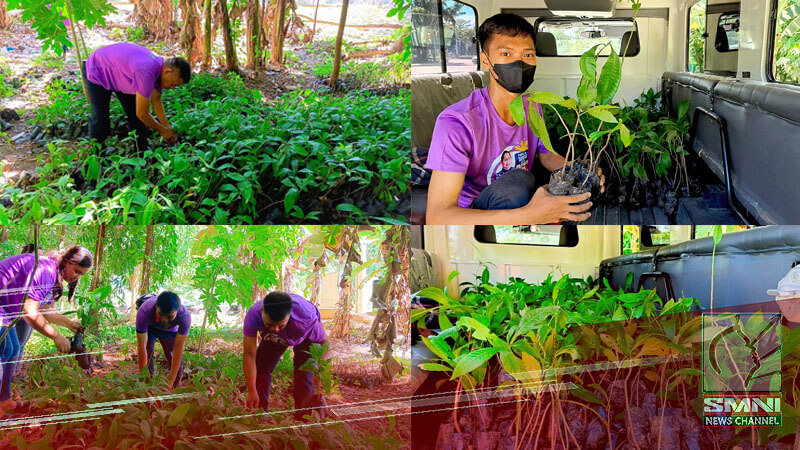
(443, 206)
(158, 108)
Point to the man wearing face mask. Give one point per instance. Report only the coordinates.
(165, 319)
(281, 320)
(476, 140)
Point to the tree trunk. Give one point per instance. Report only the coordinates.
(253, 35)
(316, 277)
(314, 27)
(348, 255)
(5, 19)
(205, 319)
(98, 255)
(337, 54)
(155, 17)
(133, 285)
(191, 33)
(144, 285)
(62, 231)
(276, 46)
(207, 37)
(231, 61)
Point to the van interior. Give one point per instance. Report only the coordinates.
(466, 273)
(722, 65)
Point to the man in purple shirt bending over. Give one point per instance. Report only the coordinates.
(137, 76)
(480, 158)
(165, 319)
(282, 320)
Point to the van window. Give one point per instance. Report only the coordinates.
(547, 235)
(786, 53)
(727, 33)
(701, 231)
(454, 34)
(573, 37)
(696, 40)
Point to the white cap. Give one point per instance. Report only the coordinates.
(789, 285)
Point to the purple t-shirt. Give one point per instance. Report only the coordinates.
(14, 275)
(125, 67)
(304, 323)
(146, 318)
(471, 138)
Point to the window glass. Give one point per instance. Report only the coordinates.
(697, 43)
(460, 36)
(575, 37)
(456, 32)
(728, 33)
(786, 58)
(528, 234)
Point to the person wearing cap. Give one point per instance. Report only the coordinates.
(787, 295)
(137, 77)
(281, 321)
(165, 319)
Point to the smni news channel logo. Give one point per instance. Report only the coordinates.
(742, 369)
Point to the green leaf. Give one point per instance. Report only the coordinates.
(570, 103)
(479, 331)
(610, 77)
(178, 414)
(717, 234)
(513, 364)
(683, 109)
(517, 110)
(625, 135)
(471, 361)
(539, 128)
(289, 199)
(602, 114)
(546, 98)
(587, 91)
(588, 63)
(438, 347)
(436, 294)
(433, 367)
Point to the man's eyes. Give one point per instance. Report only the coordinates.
(504, 53)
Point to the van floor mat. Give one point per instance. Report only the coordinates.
(691, 211)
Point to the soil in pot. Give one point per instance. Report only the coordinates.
(574, 181)
(77, 346)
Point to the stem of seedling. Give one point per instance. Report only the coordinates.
(455, 408)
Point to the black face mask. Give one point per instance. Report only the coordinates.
(514, 77)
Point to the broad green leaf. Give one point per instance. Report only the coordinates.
(289, 199)
(610, 76)
(602, 114)
(433, 367)
(717, 234)
(471, 361)
(533, 370)
(517, 110)
(586, 395)
(178, 414)
(588, 63)
(539, 128)
(479, 331)
(513, 364)
(625, 135)
(438, 347)
(436, 294)
(587, 91)
(546, 98)
(570, 103)
(683, 109)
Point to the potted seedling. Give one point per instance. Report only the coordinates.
(593, 98)
(323, 369)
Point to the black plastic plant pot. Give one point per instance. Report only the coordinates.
(573, 181)
(77, 346)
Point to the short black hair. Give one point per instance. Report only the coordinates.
(277, 305)
(183, 67)
(168, 302)
(505, 24)
(30, 248)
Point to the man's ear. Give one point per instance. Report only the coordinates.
(485, 62)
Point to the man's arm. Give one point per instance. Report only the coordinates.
(158, 108)
(143, 113)
(177, 354)
(249, 363)
(543, 208)
(55, 318)
(141, 353)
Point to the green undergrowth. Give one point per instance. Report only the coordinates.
(213, 393)
(302, 158)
